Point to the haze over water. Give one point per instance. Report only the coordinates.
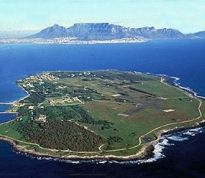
(183, 58)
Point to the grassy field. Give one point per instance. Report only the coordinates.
(98, 113)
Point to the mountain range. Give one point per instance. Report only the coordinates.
(106, 31)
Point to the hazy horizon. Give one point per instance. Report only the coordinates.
(22, 15)
(22, 31)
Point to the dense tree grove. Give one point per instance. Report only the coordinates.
(60, 135)
(59, 131)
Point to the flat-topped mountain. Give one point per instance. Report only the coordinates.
(106, 31)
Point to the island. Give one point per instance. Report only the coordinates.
(106, 114)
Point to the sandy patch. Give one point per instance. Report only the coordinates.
(124, 115)
(169, 110)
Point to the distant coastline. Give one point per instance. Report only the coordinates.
(70, 41)
(99, 33)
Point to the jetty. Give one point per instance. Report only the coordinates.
(6, 103)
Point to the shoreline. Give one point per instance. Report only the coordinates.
(67, 41)
(17, 100)
(24, 97)
(145, 151)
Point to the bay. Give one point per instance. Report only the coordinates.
(180, 58)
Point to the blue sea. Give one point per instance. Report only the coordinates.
(177, 155)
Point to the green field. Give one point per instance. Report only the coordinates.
(97, 113)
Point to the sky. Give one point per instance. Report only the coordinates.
(185, 15)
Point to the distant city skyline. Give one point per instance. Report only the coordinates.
(185, 15)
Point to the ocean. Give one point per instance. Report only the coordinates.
(181, 154)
